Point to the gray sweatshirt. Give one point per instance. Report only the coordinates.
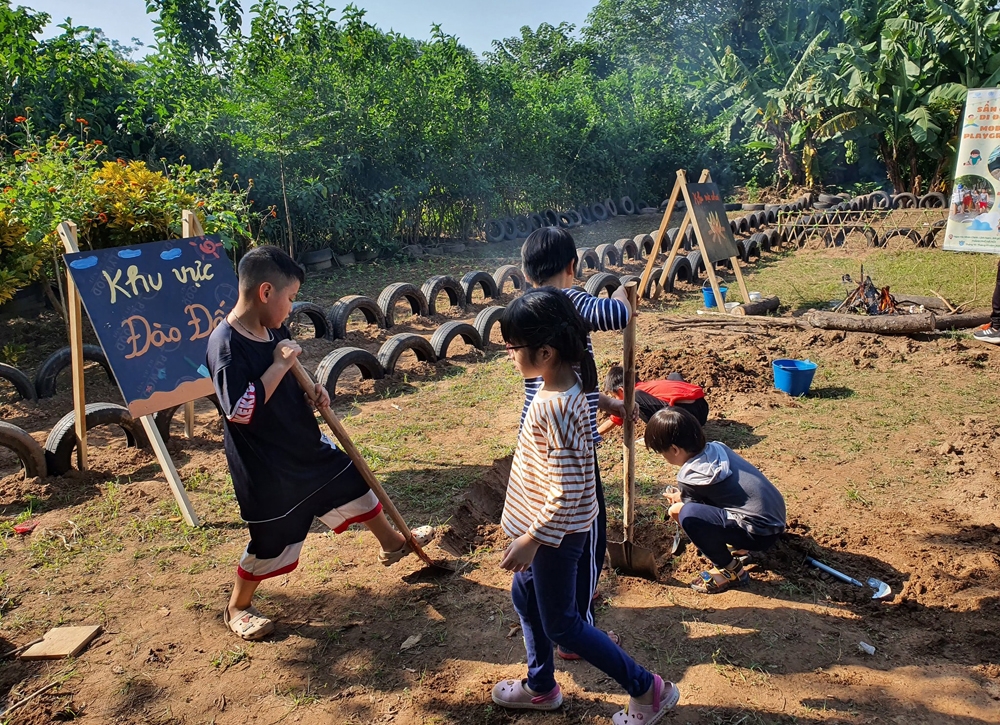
(719, 477)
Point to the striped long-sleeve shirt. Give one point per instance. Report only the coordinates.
(552, 489)
(603, 314)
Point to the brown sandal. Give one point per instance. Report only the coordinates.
(248, 624)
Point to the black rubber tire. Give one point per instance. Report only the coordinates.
(880, 200)
(61, 443)
(45, 377)
(442, 282)
(442, 338)
(537, 221)
(523, 225)
(829, 199)
(641, 206)
(509, 272)
(162, 418)
(607, 255)
(333, 365)
(626, 205)
(771, 240)
(627, 248)
(680, 270)
(586, 214)
(575, 217)
(588, 257)
(494, 231)
(392, 294)
(743, 225)
(741, 251)
(753, 246)
(316, 256)
(599, 211)
(471, 280)
(904, 200)
(690, 239)
(388, 354)
(610, 205)
(484, 322)
(734, 225)
(644, 243)
(342, 309)
(602, 281)
(732, 207)
(565, 220)
(551, 217)
(696, 263)
(26, 448)
(316, 316)
(671, 237)
(772, 216)
(509, 229)
(21, 382)
(821, 205)
(933, 200)
(912, 234)
(626, 278)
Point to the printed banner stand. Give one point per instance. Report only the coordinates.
(974, 205)
(705, 211)
(145, 405)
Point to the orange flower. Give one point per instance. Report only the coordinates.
(19, 119)
(200, 203)
(83, 121)
(98, 142)
(274, 213)
(121, 162)
(103, 218)
(52, 190)
(8, 188)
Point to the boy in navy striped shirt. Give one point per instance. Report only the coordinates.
(548, 259)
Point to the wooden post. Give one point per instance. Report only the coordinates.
(679, 240)
(67, 232)
(628, 424)
(169, 470)
(658, 241)
(190, 227)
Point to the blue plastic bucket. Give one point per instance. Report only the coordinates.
(709, 294)
(793, 376)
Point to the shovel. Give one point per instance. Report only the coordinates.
(626, 557)
(307, 384)
(882, 590)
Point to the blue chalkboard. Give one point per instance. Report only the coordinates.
(153, 307)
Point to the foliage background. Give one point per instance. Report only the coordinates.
(358, 139)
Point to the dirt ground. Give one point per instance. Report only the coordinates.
(888, 468)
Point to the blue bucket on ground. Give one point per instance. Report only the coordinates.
(793, 376)
(709, 294)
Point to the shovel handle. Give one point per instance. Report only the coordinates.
(308, 385)
(628, 422)
(833, 572)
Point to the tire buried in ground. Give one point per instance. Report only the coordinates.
(607, 255)
(45, 378)
(61, 443)
(392, 294)
(314, 313)
(443, 337)
(163, 418)
(437, 284)
(21, 382)
(508, 272)
(333, 365)
(388, 354)
(644, 243)
(586, 257)
(627, 249)
(471, 280)
(345, 306)
(602, 281)
(484, 322)
(26, 448)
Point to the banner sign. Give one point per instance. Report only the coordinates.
(153, 307)
(974, 216)
(709, 215)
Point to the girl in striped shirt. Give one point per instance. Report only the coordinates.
(551, 513)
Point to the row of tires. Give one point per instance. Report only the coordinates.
(44, 383)
(515, 227)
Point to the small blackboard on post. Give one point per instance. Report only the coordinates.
(711, 221)
(153, 307)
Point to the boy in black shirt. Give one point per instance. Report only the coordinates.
(284, 470)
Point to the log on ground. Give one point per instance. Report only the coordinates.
(768, 304)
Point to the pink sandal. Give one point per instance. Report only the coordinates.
(665, 698)
(514, 694)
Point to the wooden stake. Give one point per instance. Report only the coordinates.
(628, 423)
(67, 232)
(169, 470)
(190, 227)
(679, 239)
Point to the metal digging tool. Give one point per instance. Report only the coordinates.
(626, 557)
(882, 590)
(307, 384)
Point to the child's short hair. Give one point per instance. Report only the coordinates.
(614, 380)
(674, 427)
(268, 264)
(546, 252)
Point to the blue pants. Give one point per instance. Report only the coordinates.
(710, 530)
(592, 563)
(545, 599)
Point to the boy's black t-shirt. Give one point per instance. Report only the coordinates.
(277, 455)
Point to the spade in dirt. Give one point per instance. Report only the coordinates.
(307, 384)
(881, 589)
(628, 558)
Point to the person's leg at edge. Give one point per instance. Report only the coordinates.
(541, 666)
(242, 595)
(388, 537)
(554, 572)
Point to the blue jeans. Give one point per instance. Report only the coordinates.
(710, 530)
(593, 561)
(545, 599)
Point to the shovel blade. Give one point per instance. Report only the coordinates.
(882, 590)
(631, 560)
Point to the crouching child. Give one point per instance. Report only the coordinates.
(724, 504)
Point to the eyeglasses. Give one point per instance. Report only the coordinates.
(512, 348)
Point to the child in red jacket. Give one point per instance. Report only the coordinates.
(654, 395)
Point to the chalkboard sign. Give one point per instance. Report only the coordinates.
(705, 203)
(153, 307)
